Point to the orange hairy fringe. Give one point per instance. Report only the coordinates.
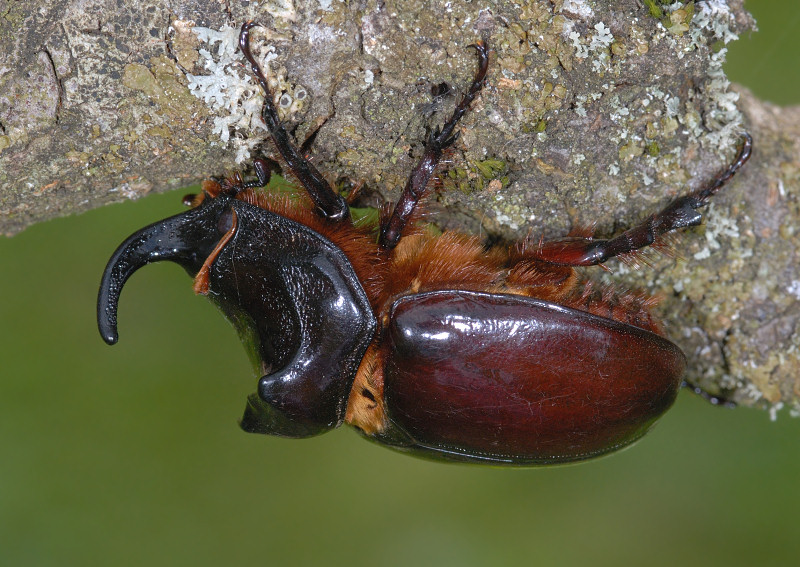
(424, 261)
(366, 404)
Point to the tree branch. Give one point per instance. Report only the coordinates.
(592, 114)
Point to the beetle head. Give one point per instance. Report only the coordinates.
(291, 294)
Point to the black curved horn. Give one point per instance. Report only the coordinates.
(186, 239)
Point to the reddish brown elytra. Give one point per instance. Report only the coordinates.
(426, 343)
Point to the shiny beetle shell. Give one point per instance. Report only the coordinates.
(507, 378)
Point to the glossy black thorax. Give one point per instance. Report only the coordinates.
(302, 313)
(291, 294)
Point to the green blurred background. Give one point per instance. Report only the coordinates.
(131, 455)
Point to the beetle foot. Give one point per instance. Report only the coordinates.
(715, 400)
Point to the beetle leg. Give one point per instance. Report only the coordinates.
(263, 168)
(680, 213)
(330, 204)
(717, 400)
(437, 142)
(305, 147)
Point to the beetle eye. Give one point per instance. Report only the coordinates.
(225, 222)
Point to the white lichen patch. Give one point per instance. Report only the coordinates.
(602, 38)
(232, 94)
(673, 105)
(711, 115)
(282, 9)
(714, 16)
(717, 226)
(773, 411)
(713, 22)
(794, 289)
(620, 113)
(597, 46)
(580, 8)
(750, 391)
(511, 210)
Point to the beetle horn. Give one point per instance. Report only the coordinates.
(186, 239)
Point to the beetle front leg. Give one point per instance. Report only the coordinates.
(329, 203)
(680, 213)
(437, 142)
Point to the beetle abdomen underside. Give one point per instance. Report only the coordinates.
(475, 376)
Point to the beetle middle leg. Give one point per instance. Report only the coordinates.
(329, 203)
(680, 213)
(437, 142)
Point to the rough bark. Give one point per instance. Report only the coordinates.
(594, 112)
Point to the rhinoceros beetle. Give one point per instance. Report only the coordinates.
(430, 344)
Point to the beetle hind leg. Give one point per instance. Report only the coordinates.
(713, 399)
(680, 213)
